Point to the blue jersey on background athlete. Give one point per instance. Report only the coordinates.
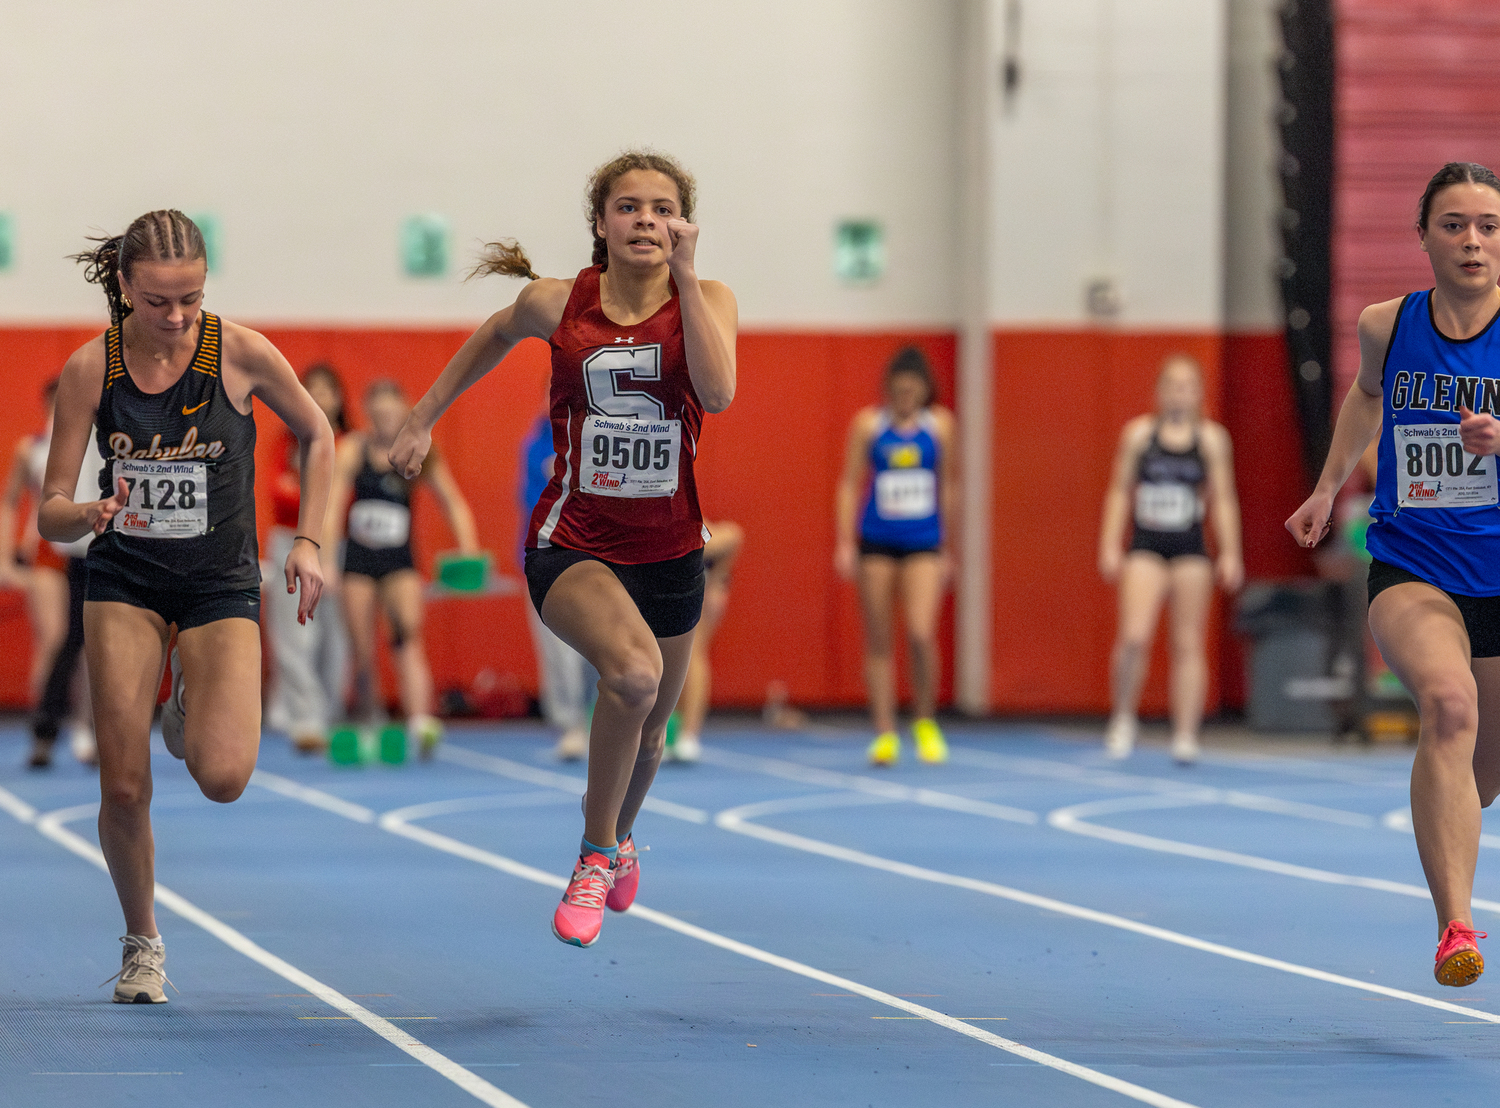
(902, 508)
(1437, 508)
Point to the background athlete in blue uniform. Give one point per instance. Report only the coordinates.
(895, 510)
(1426, 363)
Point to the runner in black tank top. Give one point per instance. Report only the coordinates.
(379, 574)
(1167, 463)
(187, 456)
(1168, 514)
(170, 388)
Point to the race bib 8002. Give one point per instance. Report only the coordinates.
(168, 500)
(627, 457)
(1434, 471)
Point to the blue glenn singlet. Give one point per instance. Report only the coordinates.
(902, 510)
(1437, 508)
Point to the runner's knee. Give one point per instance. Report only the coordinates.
(126, 794)
(222, 786)
(633, 678)
(1448, 708)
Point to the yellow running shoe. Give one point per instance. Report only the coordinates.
(885, 750)
(932, 748)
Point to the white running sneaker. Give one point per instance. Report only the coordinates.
(81, 742)
(173, 723)
(143, 971)
(1185, 748)
(687, 748)
(1119, 740)
(572, 745)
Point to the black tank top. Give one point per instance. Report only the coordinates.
(380, 514)
(188, 457)
(1168, 487)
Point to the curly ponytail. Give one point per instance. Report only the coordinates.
(505, 258)
(165, 235)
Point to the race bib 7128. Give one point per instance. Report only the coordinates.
(167, 500)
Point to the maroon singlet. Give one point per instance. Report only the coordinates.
(625, 427)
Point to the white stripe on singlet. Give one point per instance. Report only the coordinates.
(544, 536)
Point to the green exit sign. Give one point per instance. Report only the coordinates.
(7, 242)
(424, 245)
(859, 251)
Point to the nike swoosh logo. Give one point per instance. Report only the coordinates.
(194, 408)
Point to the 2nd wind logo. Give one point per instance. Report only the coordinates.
(1419, 490)
(606, 480)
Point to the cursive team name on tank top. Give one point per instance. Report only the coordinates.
(122, 446)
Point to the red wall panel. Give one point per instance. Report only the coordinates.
(1416, 86)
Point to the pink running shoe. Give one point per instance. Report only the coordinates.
(581, 913)
(1458, 961)
(627, 876)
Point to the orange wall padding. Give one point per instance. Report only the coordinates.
(769, 463)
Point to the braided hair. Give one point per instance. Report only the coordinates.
(506, 256)
(160, 236)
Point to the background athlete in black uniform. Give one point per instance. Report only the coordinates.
(177, 539)
(379, 573)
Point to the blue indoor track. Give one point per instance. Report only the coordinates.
(1027, 925)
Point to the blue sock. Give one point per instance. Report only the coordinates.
(586, 848)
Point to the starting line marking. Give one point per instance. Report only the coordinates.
(52, 826)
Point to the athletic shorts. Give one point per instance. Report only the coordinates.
(886, 550)
(369, 562)
(1170, 544)
(1481, 613)
(184, 608)
(669, 595)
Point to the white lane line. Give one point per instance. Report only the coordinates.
(890, 790)
(17, 807)
(52, 826)
(520, 771)
(1114, 779)
(398, 823)
(308, 795)
(1399, 819)
(1072, 819)
(739, 820)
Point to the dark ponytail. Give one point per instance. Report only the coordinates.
(1454, 173)
(911, 362)
(505, 258)
(160, 236)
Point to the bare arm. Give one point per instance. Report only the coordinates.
(948, 493)
(59, 519)
(267, 375)
(1358, 423)
(1224, 505)
(346, 463)
(1133, 442)
(851, 484)
(537, 312)
(460, 517)
(710, 322)
(15, 485)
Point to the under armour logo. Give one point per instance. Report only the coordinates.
(630, 340)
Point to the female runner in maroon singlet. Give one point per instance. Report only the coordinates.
(641, 349)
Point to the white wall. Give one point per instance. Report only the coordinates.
(313, 129)
(1252, 298)
(1109, 163)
